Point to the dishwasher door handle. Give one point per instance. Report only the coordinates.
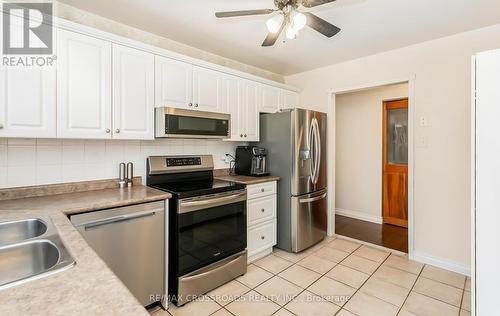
(115, 219)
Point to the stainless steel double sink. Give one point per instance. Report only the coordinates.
(30, 249)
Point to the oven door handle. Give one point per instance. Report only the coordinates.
(190, 206)
(212, 271)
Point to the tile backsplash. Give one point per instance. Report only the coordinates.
(25, 162)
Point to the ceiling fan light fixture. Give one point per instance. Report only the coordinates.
(299, 21)
(291, 32)
(274, 23)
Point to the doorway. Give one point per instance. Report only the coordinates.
(372, 178)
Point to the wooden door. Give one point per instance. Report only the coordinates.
(83, 86)
(133, 93)
(173, 83)
(395, 162)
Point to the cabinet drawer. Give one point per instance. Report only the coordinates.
(261, 237)
(261, 189)
(261, 209)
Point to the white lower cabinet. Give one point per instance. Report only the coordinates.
(261, 219)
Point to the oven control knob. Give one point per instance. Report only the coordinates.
(262, 237)
(262, 210)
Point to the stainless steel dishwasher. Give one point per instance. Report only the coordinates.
(131, 240)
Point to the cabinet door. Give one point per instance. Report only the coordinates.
(207, 90)
(28, 102)
(231, 103)
(290, 100)
(173, 83)
(83, 86)
(133, 93)
(271, 99)
(250, 119)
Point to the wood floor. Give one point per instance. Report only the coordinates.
(385, 235)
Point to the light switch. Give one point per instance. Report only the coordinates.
(423, 121)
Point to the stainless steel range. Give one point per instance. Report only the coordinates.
(207, 225)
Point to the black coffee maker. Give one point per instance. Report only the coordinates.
(250, 161)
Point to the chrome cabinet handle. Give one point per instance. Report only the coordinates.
(245, 135)
(190, 104)
(241, 135)
(262, 237)
(108, 130)
(262, 210)
(1, 126)
(196, 105)
(117, 130)
(262, 190)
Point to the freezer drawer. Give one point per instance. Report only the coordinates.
(309, 219)
(131, 241)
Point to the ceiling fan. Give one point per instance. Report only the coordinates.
(290, 19)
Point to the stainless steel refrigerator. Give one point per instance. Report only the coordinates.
(296, 144)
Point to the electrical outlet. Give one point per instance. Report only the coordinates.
(422, 142)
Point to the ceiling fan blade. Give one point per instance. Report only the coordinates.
(314, 3)
(271, 38)
(320, 25)
(229, 14)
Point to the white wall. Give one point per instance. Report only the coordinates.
(26, 162)
(358, 151)
(442, 150)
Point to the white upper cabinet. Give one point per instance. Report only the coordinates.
(250, 106)
(133, 93)
(290, 100)
(271, 99)
(173, 83)
(231, 103)
(207, 90)
(83, 86)
(28, 102)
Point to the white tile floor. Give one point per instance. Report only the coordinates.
(336, 277)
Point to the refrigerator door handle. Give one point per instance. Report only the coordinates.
(313, 199)
(311, 143)
(317, 165)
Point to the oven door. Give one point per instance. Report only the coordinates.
(172, 122)
(210, 228)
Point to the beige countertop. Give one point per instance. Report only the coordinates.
(246, 179)
(89, 287)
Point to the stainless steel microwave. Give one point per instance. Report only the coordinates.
(180, 123)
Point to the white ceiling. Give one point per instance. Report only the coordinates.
(368, 27)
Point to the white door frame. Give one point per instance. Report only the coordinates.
(411, 143)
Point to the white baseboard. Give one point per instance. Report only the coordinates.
(359, 215)
(441, 263)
